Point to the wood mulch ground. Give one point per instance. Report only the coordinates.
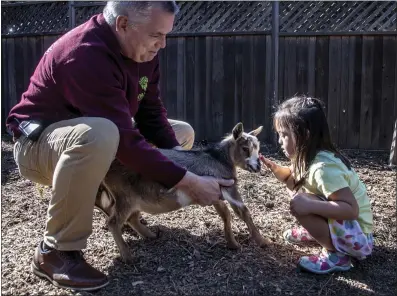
(190, 256)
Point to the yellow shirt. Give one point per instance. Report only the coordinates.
(328, 174)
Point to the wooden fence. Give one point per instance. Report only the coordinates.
(215, 81)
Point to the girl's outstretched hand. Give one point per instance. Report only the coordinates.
(275, 168)
(280, 172)
(267, 162)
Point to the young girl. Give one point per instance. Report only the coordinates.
(327, 197)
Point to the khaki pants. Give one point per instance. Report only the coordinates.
(73, 156)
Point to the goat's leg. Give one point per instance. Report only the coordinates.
(118, 214)
(135, 223)
(115, 225)
(115, 218)
(224, 212)
(244, 214)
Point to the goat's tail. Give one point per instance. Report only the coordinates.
(103, 200)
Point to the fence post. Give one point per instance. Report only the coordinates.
(72, 15)
(275, 50)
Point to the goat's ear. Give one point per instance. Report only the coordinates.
(256, 131)
(238, 130)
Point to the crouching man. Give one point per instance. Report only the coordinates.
(76, 117)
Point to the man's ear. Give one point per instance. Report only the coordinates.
(121, 23)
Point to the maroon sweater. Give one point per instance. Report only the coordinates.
(84, 74)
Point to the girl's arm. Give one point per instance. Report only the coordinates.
(282, 173)
(290, 182)
(341, 206)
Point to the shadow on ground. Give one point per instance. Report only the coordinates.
(179, 263)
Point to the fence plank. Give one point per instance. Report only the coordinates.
(208, 77)
(19, 68)
(367, 91)
(281, 69)
(217, 87)
(334, 86)
(26, 59)
(163, 75)
(39, 44)
(344, 93)
(302, 61)
(377, 91)
(189, 85)
(321, 75)
(48, 41)
(5, 100)
(32, 61)
(311, 66)
(388, 90)
(229, 104)
(180, 80)
(11, 72)
(270, 136)
(354, 104)
(247, 83)
(170, 100)
(238, 79)
(290, 73)
(262, 104)
(199, 87)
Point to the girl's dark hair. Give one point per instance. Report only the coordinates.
(304, 117)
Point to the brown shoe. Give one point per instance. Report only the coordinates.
(67, 269)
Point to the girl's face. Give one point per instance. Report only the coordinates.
(287, 141)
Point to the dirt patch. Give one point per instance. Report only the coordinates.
(190, 256)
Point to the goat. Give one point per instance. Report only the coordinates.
(123, 194)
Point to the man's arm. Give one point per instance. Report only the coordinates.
(151, 118)
(90, 83)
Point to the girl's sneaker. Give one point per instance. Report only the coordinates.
(298, 235)
(326, 262)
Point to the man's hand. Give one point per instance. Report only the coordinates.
(203, 190)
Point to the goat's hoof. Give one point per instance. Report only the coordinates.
(127, 258)
(151, 236)
(233, 245)
(128, 261)
(158, 233)
(263, 242)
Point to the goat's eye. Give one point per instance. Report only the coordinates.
(246, 149)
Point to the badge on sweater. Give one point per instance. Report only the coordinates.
(143, 83)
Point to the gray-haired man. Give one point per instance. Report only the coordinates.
(84, 92)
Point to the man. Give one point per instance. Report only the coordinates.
(79, 105)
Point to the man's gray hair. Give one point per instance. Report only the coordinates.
(136, 11)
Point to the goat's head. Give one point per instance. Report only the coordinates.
(245, 148)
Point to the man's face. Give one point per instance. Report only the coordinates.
(142, 42)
